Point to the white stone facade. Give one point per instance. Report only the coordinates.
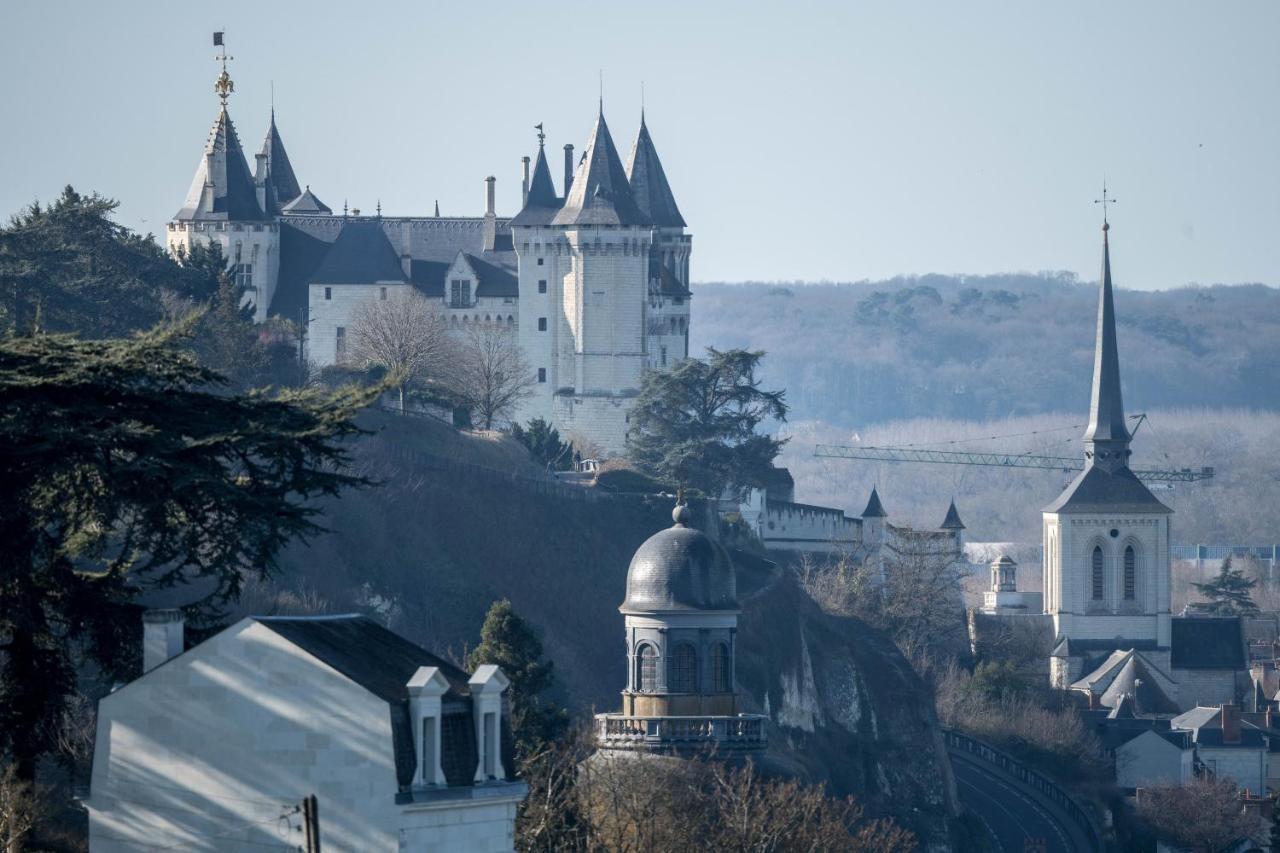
(252, 251)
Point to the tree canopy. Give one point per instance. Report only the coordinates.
(544, 444)
(123, 468)
(696, 422)
(1228, 594)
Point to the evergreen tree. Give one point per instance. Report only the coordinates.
(695, 423)
(544, 444)
(123, 469)
(1228, 593)
(509, 642)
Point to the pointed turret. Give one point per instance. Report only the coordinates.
(1106, 440)
(952, 521)
(601, 194)
(649, 182)
(542, 203)
(280, 178)
(223, 188)
(874, 508)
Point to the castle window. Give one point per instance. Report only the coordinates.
(540, 261)
(243, 277)
(340, 344)
(1130, 574)
(646, 669)
(382, 293)
(328, 294)
(664, 356)
(684, 669)
(542, 285)
(511, 321)
(542, 374)
(1099, 587)
(721, 677)
(542, 324)
(460, 293)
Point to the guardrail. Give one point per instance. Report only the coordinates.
(1032, 778)
(619, 731)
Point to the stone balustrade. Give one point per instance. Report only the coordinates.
(719, 733)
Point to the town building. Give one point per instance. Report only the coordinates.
(592, 280)
(213, 748)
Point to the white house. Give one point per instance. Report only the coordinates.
(214, 748)
(1155, 758)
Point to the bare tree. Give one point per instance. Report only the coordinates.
(1204, 815)
(404, 334)
(21, 809)
(491, 372)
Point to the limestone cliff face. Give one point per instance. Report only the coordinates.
(846, 708)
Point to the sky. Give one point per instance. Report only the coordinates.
(813, 141)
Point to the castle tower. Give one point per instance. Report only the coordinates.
(952, 525)
(280, 183)
(1106, 537)
(681, 621)
(667, 330)
(583, 280)
(226, 205)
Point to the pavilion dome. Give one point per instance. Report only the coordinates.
(680, 568)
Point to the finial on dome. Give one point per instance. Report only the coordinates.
(681, 515)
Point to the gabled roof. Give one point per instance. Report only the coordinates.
(1205, 642)
(1097, 490)
(601, 194)
(279, 171)
(362, 254)
(874, 508)
(224, 167)
(307, 203)
(952, 521)
(1128, 673)
(649, 182)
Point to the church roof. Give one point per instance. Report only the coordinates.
(1106, 407)
(874, 508)
(1203, 642)
(307, 202)
(952, 521)
(649, 182)
(1128, 673)
(601, 194)
(542, 204)
(280, 177)
(224, 167)
(1097, 490)
(362, 254)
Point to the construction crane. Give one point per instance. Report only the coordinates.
(1005, 460)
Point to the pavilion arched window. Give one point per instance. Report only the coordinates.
(1097, 575)
(721, 671)
(1130, 574)
(646, 668)
(684, 669)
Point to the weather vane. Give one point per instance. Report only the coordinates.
(1104, 201)
(541, 136)
(223, 86)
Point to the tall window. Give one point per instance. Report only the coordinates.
(684, 669)
(1097, 574)
(721, 677)
(244, 277)
(382, 293)
(460, 293)
(647, 669)
(340, 344)
(664, 356)
(1130, 574)
(542, 374)
(542, 285)
(542, 324)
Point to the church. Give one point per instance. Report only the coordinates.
(592, 278)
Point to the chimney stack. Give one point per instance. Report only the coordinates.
(1230, 722)
(568, 169)
(524, 186)
(161, 637)
(260, 180)
(490, 217)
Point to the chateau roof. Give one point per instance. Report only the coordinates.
(1097, 490)
(649, 182)
(280, 177)
(542, 204)
(306, 203)
(601, 194)
(874, 508)
(223, 166)
(362, 254)
(952, 521)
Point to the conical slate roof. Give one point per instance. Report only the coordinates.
(649, 182)
(952, 521)
(280, 175)
(601, 194)
(223, 166)
(1106, 408)
(543, 203)
(874, 508)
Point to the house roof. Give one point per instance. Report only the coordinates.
(649, 182)
(1098, 490)
(601, 193)
(222, 164)
(492, 278)
(362, 254)
(1196, 718)
(1212, 738)
(1203, 642)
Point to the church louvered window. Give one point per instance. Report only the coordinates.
(684, 669)
(647, 669)
(1130, 574)
(721, 676)
(1099, 585)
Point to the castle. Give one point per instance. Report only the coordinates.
(593, 280)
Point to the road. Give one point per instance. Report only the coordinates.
(1018, 819)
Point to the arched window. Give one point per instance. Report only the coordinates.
(1099, 586)
(511, 320)
(721, 672)
(1130, 574)
(646, 668)
(684, 670)
(454, 321)
(487, 319)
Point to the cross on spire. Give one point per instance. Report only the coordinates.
(1104, 201)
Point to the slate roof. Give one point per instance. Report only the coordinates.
(874, 509)
(680, 568)
(307, 202)
(280, 177)
(1106, 406)
(1249, 739)
(300, 256)
(1127, 673)
(1196, 718)
(362, 254)
(601, 193)
(1096, 490)
(952, 521)
(492, 279)
(649, 182)
(1202, 642)
(234, 195)
(542, 204)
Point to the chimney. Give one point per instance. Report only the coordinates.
(406, 250)
(487, 685)
(1095, 701)
(1267, 718)
(1230, 722)
(425, 688)
(490, 217)
(260, 180)
(161, 637)
(524, 186)
(568, 169)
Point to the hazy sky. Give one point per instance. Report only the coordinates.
(804, 140)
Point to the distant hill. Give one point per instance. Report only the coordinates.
(987, 347)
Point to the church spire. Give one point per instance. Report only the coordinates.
(1106, 440)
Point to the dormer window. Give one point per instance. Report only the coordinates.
(460, 293)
